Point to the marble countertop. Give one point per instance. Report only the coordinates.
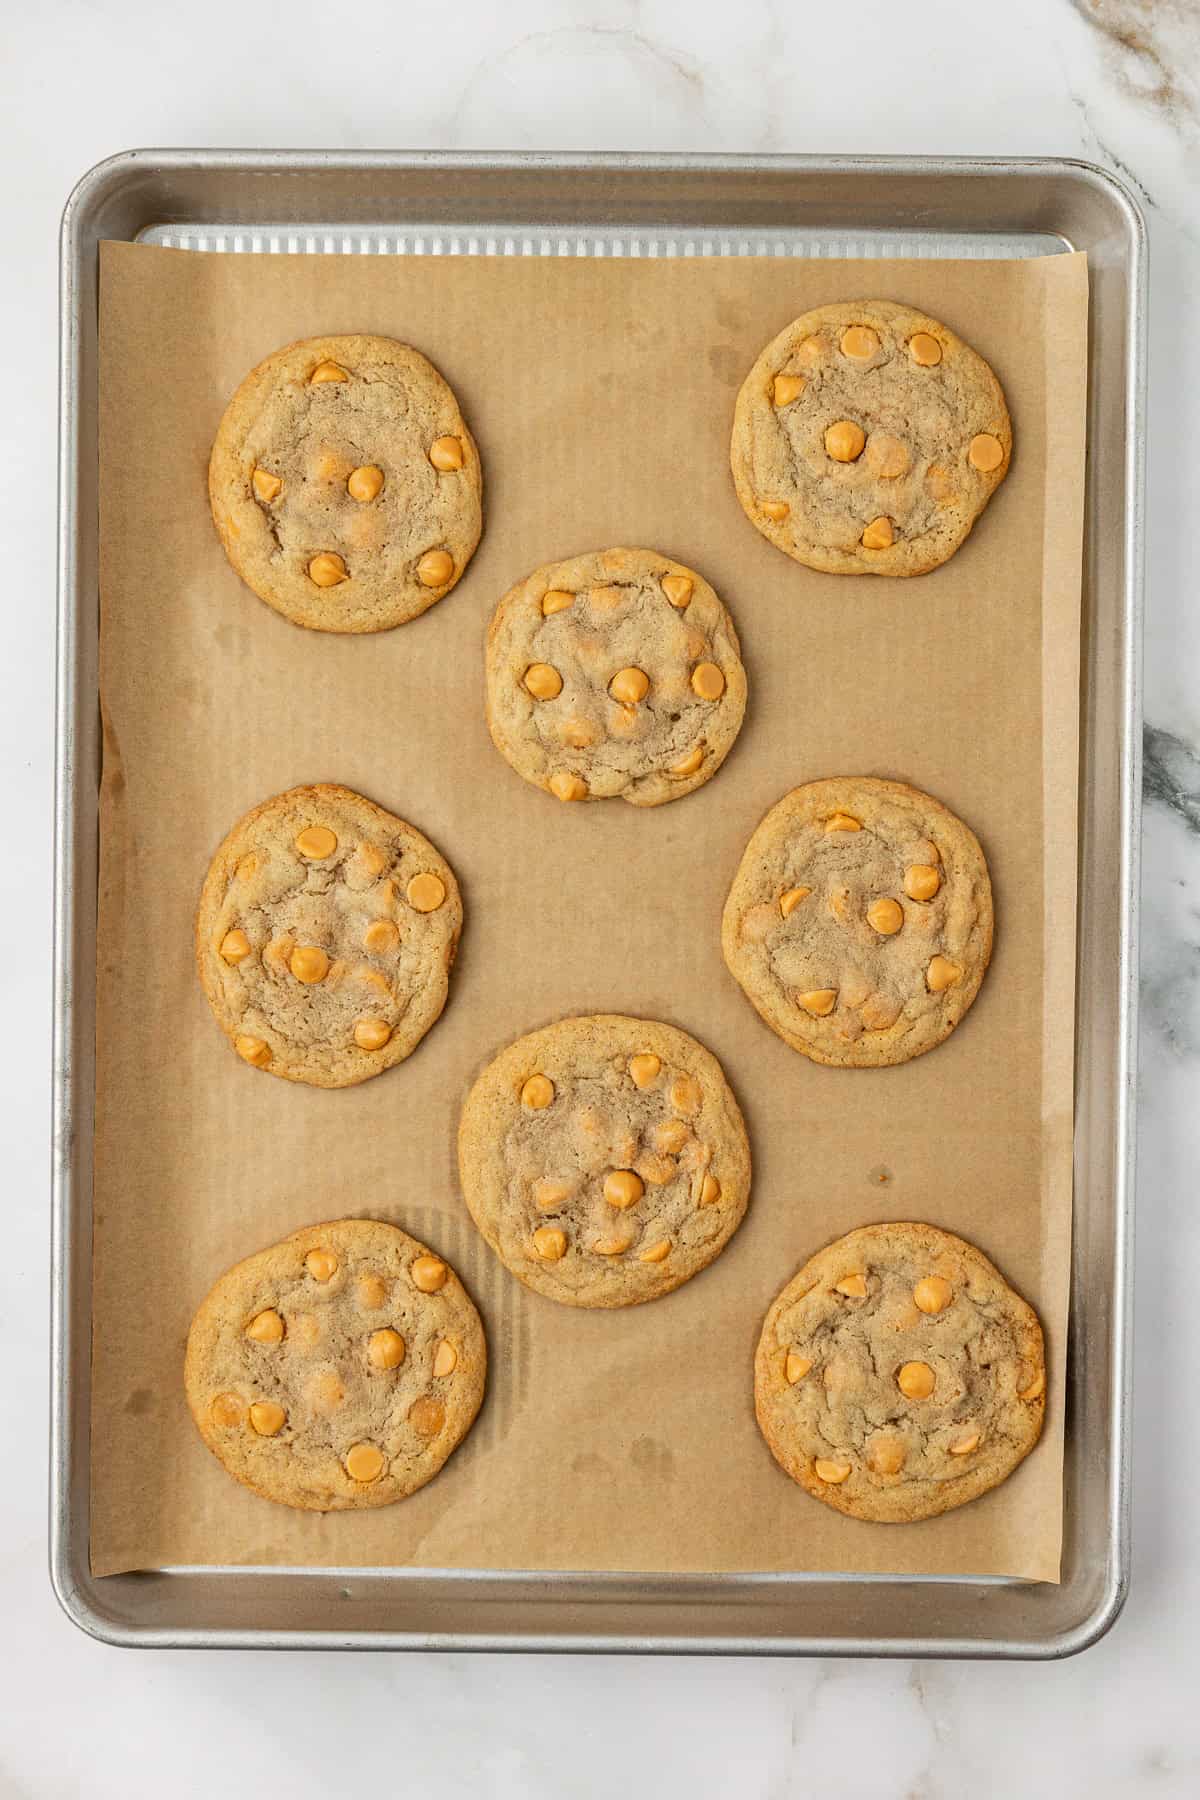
(1117, 81)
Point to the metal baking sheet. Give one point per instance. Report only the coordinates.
(376, 203)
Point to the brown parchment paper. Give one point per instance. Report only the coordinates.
(601, 394)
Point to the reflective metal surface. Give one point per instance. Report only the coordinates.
(424, 203)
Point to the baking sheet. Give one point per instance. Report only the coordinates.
(601, 394)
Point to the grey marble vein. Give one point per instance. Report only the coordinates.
(1171, 774)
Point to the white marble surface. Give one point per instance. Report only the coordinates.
(1114, 80)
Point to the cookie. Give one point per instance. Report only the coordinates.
(325, 936)
(604, 1159)
(867, 440)
(859, 922)
(898, 1375)
(345, 485)
(337, 1369)
(614, 673)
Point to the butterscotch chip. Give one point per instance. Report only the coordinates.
(629, 686)
(537, 1092)
(942, 974)
(266, 1327)
(786, 388)
(635, 1211)
(921, 881)
(933, 1294)
(267, 1417)
(550, 1243)
(844, 440)
(945, 1381)
(601, 673)
(565, 786)
(776, 510)
(364, 1462)
(687, 765)
(316, 842)
(426, 892)
(985, 453)
(853, 1286)
(429, 1273)
(447, 453)
(427, 1416)
(708, 681)
(361, 1427)
(846, 978)
(381, 936)
(879, 534)
(826, 1470)
(266, 486)
(318, 894)
(796, 1367)
(372, 1034)
(365, 484)
(820, 1002)
(542, 681)
(916, 1381)
(859, 343)
(234, 946)
(791, 898)
(885, 916)
(435, 569)
(656, 1253)
(385, 1349)
(321, 1264)
(309, 963)
(328, 569)
(611, 1246)
(350, 464)
(623, 1188)
(883, 378)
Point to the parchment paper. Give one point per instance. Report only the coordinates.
(601, 393)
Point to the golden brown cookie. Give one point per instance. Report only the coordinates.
(345, 485)
(614, 673)
(604, 1159)
(867, 440)
(325, 935)
(898, 1375)
(337, 1369)
(859, 922)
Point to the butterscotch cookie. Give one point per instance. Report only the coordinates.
(898, 1375)
(325, 935)
(867, 440)
(859, 922)
(614, 673)
(604, 1159)
(345, 485)
(337, 1369)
